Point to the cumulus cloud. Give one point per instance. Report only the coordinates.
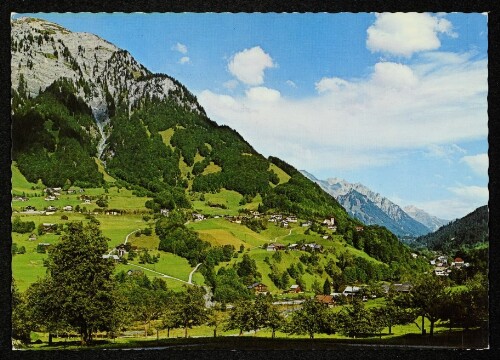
(180, 48)
(364, 122)
(248, 65)
(184, 60)
(231, 84)
(403, 34)
(393, 75)
(478, 163)
(262, 93)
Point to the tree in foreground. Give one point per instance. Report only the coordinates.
(189, 308)
(392, 313)
(21, 324)
(428, 297)
(313, 318)
(78, 290)
(355, 321)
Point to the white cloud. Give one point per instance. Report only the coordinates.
(291, 84)
(184, 60)
(365, 122)
(444, 151)
(331, 84)
(403, 34)
(471, 193)
(180, 48)
(393, 75)
(262, 93)
(478, 163)
(231, 84)
(248, 65)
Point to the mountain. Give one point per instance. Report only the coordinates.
(82, 108)
(432, 222)
(370, 207)
(467, 232)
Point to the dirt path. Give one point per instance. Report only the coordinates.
(190, 280)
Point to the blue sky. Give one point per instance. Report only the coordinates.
(397, 102)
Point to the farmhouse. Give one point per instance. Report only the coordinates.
(275, 247)
(48, 227)
(329, 222)
(68, 208)
(295, 289)
(19, 198)
(114, 257)
(351, 290)
(164, 212)
(198, 217)
(326, 300)
(403, 287)
(258, 288)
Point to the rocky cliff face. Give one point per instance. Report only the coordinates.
(432, 222)
(104, 75)
(371, 207)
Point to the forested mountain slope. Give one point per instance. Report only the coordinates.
(79, 101)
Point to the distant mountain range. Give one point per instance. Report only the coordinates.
(372, 208)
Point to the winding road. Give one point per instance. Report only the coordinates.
(190, 279)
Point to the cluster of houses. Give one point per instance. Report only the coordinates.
(283, 221)
(304, 247)
(442, 268)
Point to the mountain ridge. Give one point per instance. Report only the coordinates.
(371, 207)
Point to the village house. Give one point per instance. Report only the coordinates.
(19, 198)
(50, 198)
(413, 255)
(198, 217)
(113, 257)
(311, 247)
(295, 289)
(329, 222)
(458, 262)
(68, 208)
(359, 228)
(351, 290)
(400, 288)
(30, 208)
(164, 212)
(306, 224)
(51, 208)
(275, 247)
(48, 227)
(333, 228)
(32, 237)
(291, 219)
(440, 271)
(284, 224)
(70, 191)
(293, 247)
(326, 300)
(258, 288)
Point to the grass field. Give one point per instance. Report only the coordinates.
(100, 167)
(166, 135)
(283, 176)
(20, 185)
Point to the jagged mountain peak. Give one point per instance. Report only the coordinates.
(432, 222)
(43, 52)
(371, 207)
